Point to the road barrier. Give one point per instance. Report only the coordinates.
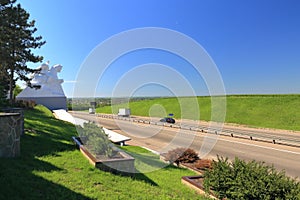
(243, 134)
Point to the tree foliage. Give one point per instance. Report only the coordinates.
(4, 87)
(16, 43)
(17, 90)
(249, 180)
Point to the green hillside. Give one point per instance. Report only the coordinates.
(268, 111)
(50, 167)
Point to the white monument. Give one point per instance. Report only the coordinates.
(50, 93)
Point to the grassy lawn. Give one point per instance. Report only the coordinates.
(51, 168)
(267, 111)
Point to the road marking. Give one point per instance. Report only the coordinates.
(254, 145)
(264, 147)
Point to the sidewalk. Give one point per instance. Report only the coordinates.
(113, 136)
(65, 116)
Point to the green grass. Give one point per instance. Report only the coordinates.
(267, 111)
(273, 111)
(51, 168)
(161, 107)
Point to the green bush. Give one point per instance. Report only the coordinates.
(249, 180)
(181, 155)
(95, 139)
(30, 104)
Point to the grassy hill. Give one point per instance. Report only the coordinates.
(268, 111)
(50, 167)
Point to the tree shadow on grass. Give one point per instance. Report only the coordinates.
(144, 163)
(147, 161)
(18, 181)
(141, 177)
(44, 136)
(137, 175)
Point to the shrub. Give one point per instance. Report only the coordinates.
(252, 180)
(203, 164)
(95, 139)
(181, 155)
(30, 104)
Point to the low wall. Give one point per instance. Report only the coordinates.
(10, 133)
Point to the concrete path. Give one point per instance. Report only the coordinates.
(65, 116)
(113, 136)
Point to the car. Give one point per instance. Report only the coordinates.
(168, 120)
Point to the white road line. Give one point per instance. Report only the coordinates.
(263, 147)
(254, 145)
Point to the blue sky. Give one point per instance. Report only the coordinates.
(254, 44)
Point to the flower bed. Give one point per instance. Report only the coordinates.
(120, 163)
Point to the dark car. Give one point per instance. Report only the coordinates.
(168, 120)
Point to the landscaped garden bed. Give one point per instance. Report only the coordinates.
(95, 146)
(188, 158)
(234, 180)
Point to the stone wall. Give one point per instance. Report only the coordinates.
(10, 132)
(16, 110)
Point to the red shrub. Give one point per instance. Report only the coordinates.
(203, 164)
(182, 155)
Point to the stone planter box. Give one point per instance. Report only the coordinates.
(196, 183)
(10, 132)
(123, 165)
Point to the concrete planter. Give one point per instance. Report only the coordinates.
(123, 165)
(196, 183)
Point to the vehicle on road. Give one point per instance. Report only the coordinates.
(124, 112)
(91, 110)
(168, 120)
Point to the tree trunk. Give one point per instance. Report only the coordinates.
(11, 87)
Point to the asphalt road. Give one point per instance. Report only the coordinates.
(162, 139)
(285, 137)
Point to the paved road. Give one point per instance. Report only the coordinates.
(284, 137)
(162, 139)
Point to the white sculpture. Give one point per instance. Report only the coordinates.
(50, 93)
(41, 77)
(47, 79)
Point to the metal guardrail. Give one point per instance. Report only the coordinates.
(243, 134)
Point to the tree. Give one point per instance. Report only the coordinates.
(17, 91)
(4, 83)
(16, 43)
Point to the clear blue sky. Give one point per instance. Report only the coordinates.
(255, 44)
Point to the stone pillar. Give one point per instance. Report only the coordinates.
(17, 110)
(10, 131)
